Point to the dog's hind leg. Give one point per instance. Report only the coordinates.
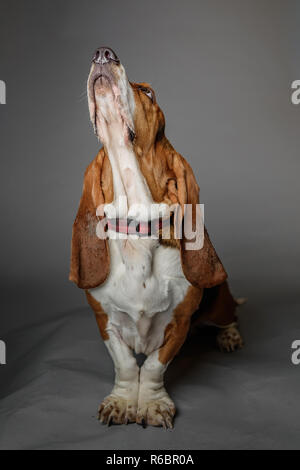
(218, 308)
(229, 338)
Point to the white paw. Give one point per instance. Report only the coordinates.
(159, 412)
(117, 410)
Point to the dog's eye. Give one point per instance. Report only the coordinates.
(148, 93)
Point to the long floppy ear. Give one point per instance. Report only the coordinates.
(90, 255)
(202, 267)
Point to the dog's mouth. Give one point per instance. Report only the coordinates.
(102, 81)
(108, 87)
(100, 84)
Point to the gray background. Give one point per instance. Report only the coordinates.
(222, 71)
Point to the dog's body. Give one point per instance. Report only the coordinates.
(143, 291)
(140, 294)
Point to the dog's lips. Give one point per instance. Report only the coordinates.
(102, 77)
(101, 83)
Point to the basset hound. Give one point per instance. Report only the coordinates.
(144, 289)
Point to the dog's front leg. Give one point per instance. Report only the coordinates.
(121, 405)
(155, 407)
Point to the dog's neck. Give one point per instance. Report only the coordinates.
(131, 192)
(128, 181)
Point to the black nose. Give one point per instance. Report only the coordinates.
(104, 55)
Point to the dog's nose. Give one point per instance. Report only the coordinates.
(104, 55)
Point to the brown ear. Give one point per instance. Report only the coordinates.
(90, 256)
(202, 267)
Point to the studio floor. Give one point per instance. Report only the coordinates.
(59, 370)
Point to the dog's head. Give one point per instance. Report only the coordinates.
(126, 114)
(121, 109)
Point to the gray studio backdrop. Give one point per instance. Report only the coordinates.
(222, 71)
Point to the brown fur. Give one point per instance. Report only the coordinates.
(89, 259)
(101, 316)
(177, 330)
(218, 306)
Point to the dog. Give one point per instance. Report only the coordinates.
(144, 290)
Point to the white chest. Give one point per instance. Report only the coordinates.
(145, 285)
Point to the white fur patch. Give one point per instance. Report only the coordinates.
(145, 285)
